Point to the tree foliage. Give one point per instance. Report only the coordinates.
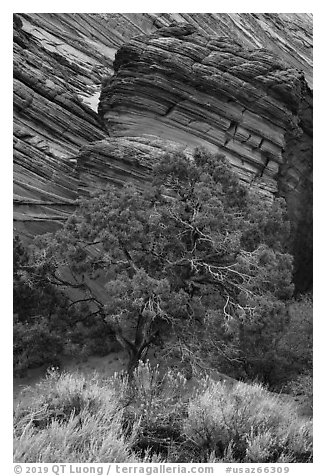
(196, 262)
(46, 325)
(36, 304)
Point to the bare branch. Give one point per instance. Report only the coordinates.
(86, 300)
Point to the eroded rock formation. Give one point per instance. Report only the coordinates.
(195, 89)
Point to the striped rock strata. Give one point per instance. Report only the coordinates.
(57, 78)
(194, 89)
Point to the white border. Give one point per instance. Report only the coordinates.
(319, 179)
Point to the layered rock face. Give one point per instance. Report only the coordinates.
(195, 89)
(289, 36)
(123, 159)
(56, 89)
(234, 83)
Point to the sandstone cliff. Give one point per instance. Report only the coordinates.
(235, 83)
(201, 90)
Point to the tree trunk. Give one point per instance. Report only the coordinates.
(135, 356)
(137, 350)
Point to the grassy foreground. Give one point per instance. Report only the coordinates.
(70, 418)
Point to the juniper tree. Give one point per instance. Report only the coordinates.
(195, 253)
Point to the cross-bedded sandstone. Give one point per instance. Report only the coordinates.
(195, 89)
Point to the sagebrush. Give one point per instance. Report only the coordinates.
(156, 417)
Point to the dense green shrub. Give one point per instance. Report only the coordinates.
(38, 310)
(292, 351)
(35, 344)
(302, 387)
(46, 326)
(296, 343)
(33, 292)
